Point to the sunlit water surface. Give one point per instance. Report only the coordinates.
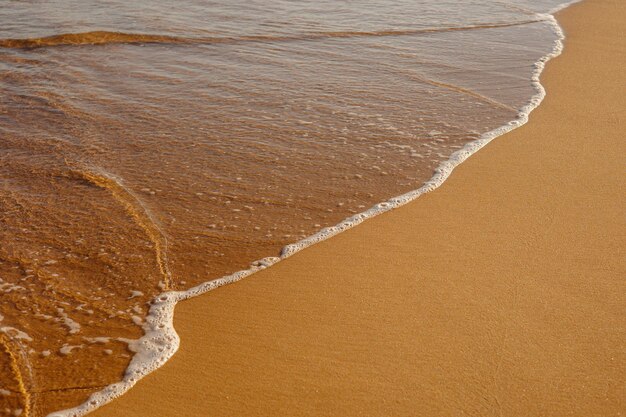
(154, 145)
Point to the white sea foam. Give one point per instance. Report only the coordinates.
(160, 340)
(71, 325)
(67, 349)
(15, 334)
(135, 293)
(100, 340)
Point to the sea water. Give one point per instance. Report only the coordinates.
(148, 148)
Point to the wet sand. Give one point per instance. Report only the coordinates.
(501, 293)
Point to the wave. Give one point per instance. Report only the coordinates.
(112, 38)
(87, 38)
(136, 210)
(160, 340)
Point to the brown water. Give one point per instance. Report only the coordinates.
(146, 147)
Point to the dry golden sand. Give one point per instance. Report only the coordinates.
(502, 293)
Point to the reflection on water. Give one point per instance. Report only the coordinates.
(146, 147)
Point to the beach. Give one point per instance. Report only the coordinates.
(502, 292)
(147, 149)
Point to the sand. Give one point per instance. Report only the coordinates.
(501, 293)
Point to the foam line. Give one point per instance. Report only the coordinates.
(160, 340)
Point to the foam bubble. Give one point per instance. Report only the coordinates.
(100, 339)
(71, 325)
(134, 294)
(67, 349)
(14, 333)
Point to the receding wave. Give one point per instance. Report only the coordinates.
(88, 38)
(109, 38)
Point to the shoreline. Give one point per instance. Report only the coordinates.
(272, 273)
(161, 341)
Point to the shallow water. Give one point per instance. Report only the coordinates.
(145, 147)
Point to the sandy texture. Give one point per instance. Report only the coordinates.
(502, 293)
